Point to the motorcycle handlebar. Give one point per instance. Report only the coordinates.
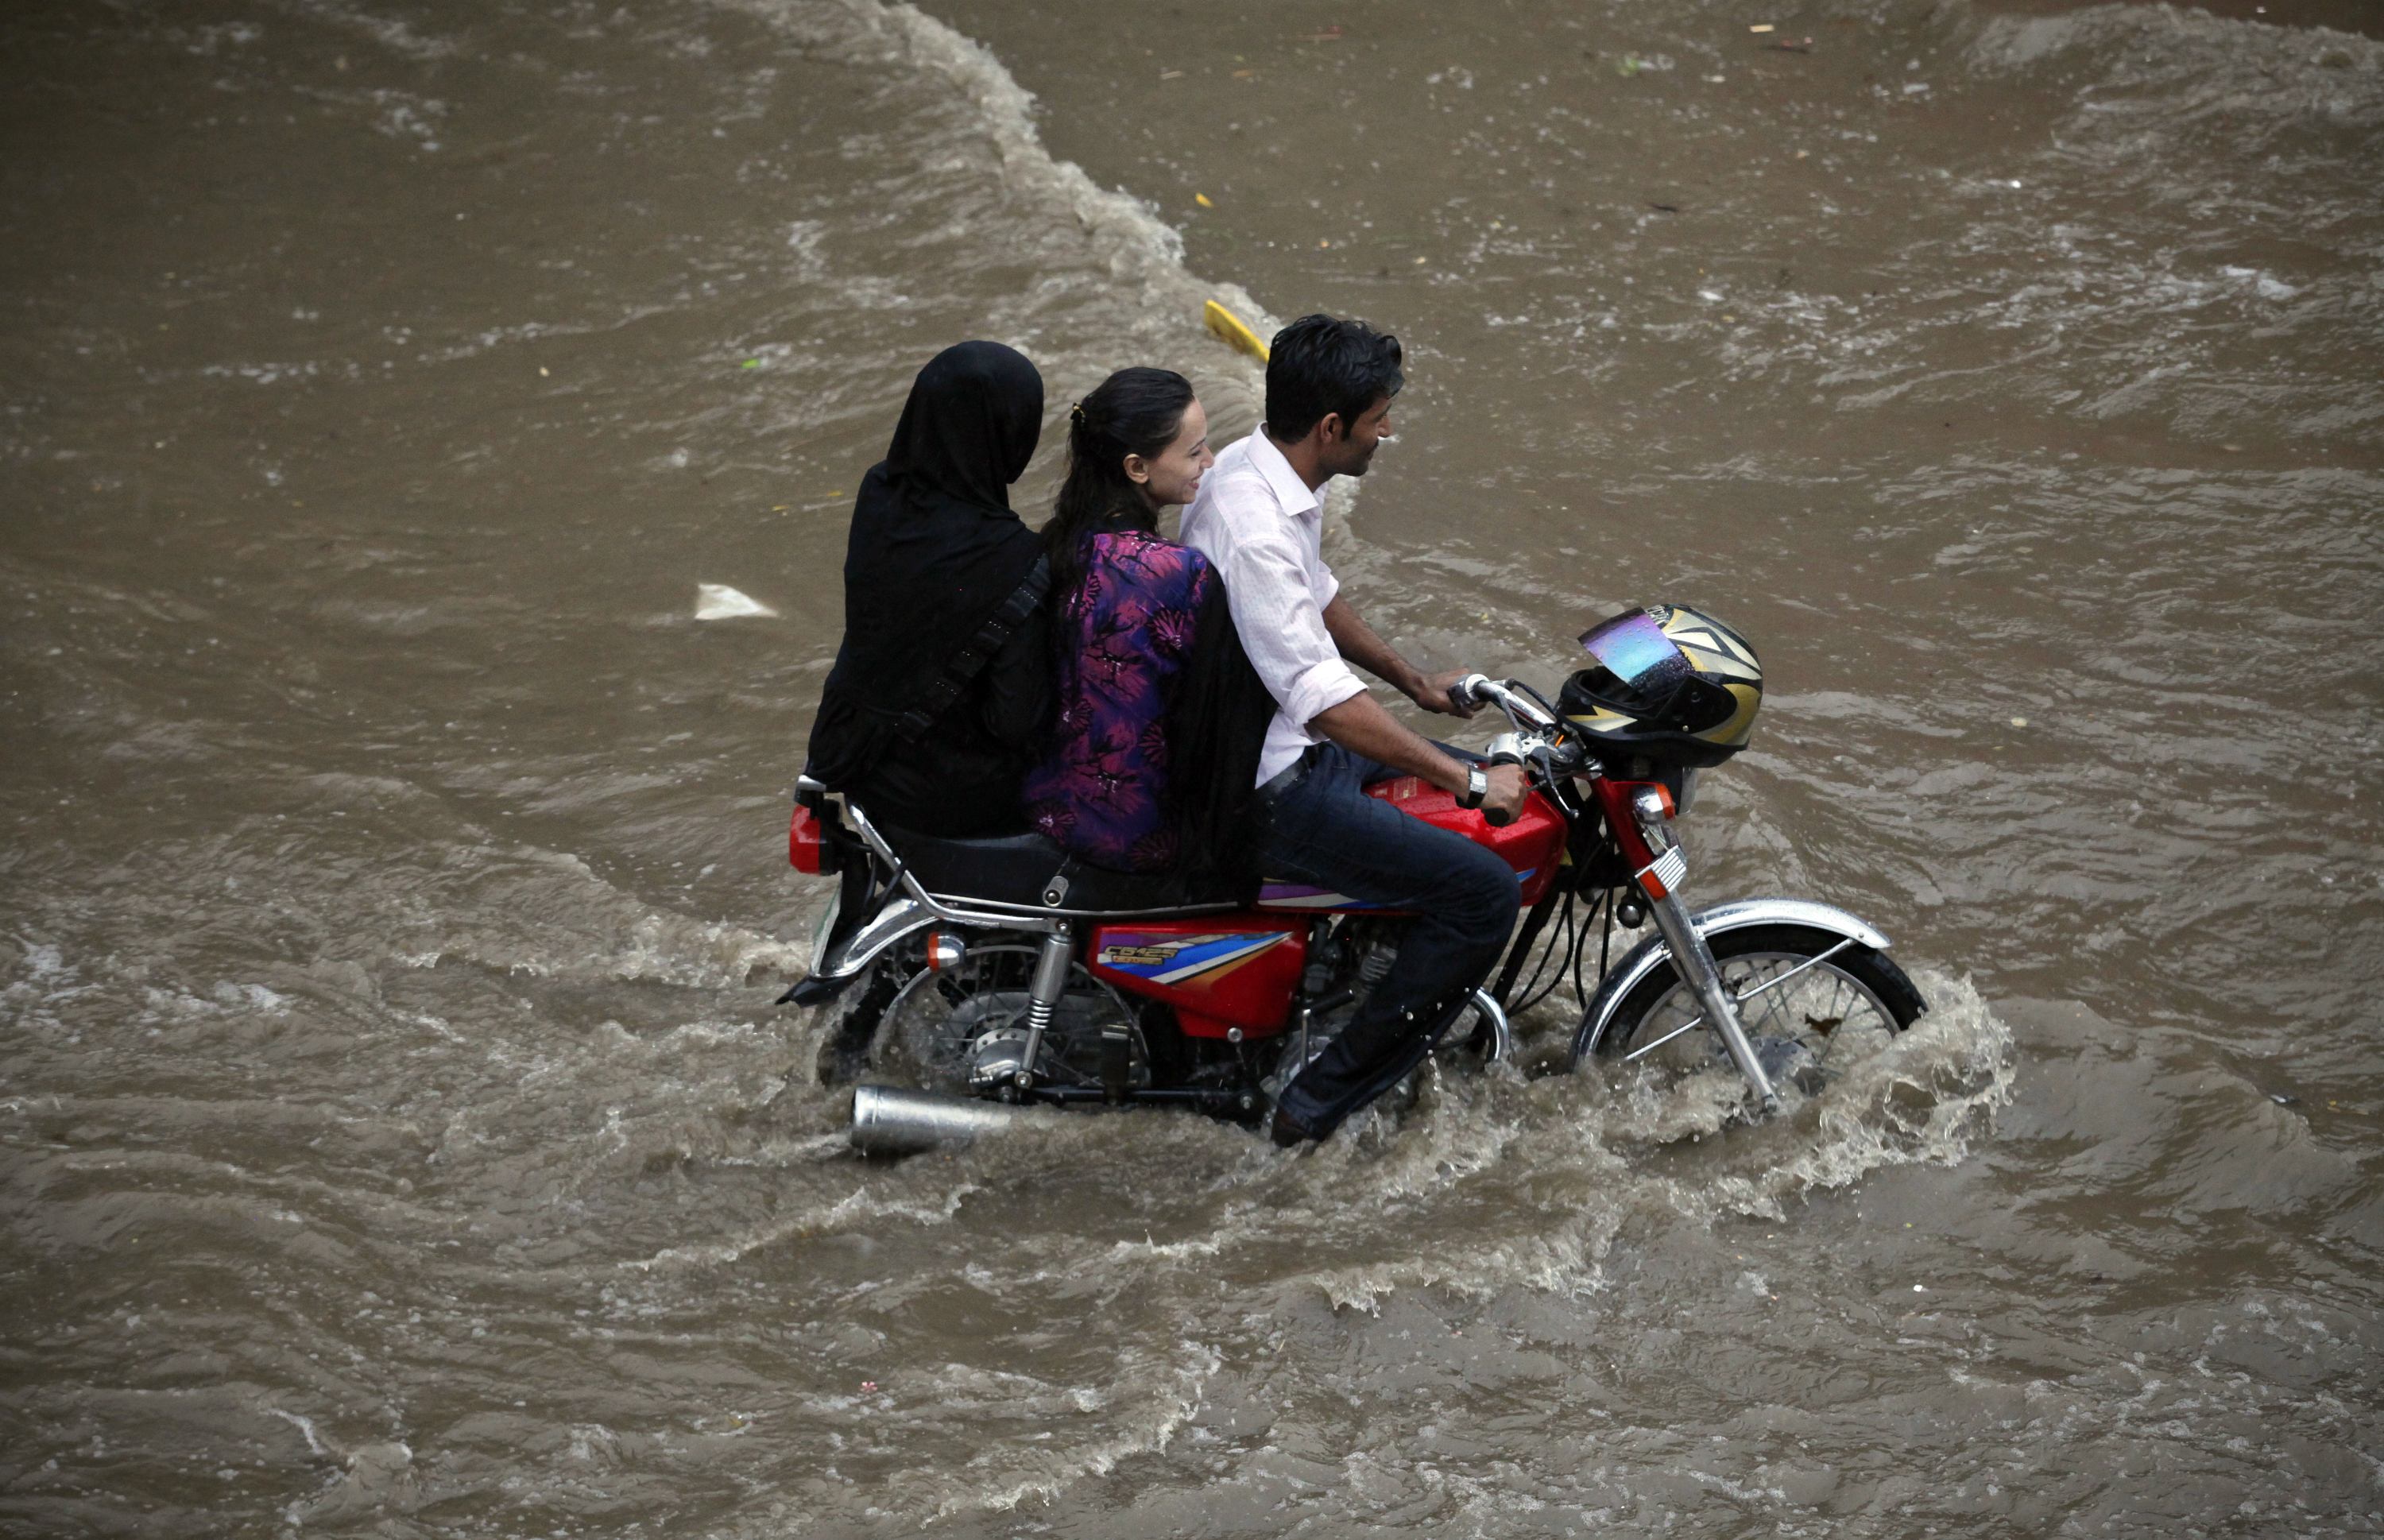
(1476, 689)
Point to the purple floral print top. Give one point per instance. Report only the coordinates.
(1123, 635)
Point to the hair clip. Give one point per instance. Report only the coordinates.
(1077, 414)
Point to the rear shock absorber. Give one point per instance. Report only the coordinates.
(1043, 997)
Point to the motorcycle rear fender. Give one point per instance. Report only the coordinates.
(1652, 954)
(845, 959)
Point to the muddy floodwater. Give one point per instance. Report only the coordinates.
(397, 1135)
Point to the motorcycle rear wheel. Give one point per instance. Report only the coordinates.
(1838, 1011)
(938, 1027)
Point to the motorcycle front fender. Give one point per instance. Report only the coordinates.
(1654, 953)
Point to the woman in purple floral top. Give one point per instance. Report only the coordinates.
(1152, 689)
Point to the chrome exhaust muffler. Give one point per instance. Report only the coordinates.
(890, 1120)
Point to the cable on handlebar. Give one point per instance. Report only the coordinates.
(1554, 716)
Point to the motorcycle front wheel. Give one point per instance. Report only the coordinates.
(1845, 1007)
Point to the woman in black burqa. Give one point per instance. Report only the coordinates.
(941, 692)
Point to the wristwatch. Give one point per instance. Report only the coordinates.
(1477, 787)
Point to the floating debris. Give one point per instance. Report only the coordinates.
(719, 602)
(1230, 329)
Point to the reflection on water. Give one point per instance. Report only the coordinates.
(399, 1138)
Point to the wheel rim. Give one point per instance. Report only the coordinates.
(1836, 1017)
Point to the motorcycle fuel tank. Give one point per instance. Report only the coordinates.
(1533, 844)
(1218, 971)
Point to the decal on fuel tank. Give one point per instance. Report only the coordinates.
(1173, 959)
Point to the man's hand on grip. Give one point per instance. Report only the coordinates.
(1509, 787)
(1432, 693)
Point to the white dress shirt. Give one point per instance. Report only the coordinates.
(1261, 528)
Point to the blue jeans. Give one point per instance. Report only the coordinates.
(1317, 825)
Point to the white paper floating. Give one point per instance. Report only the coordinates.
(719, 602)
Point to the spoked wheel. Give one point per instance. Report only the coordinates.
(1841, 1008)
(963, 1028)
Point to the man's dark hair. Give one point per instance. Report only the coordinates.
(1319, 364)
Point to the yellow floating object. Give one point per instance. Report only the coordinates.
(1228, 328)
(1202, 199)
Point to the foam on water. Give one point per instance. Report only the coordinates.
(1137, 295)
(1927, 1099)
(1343, 1224)
(857, 1207)
(546, 913)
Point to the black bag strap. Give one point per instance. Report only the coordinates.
(969, 661)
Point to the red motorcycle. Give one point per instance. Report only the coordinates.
(996, 972)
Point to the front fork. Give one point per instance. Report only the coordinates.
(1645, 830)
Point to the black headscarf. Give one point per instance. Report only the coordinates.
(934, 550)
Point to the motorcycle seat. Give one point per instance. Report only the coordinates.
(1026, 870)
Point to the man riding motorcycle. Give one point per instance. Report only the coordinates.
(1258, 518)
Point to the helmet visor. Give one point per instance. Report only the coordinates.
(1634, 649)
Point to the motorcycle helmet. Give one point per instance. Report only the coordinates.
(1667, 685)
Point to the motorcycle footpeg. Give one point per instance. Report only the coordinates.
(1117, 1063)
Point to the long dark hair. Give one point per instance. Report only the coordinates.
(1131, 412)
